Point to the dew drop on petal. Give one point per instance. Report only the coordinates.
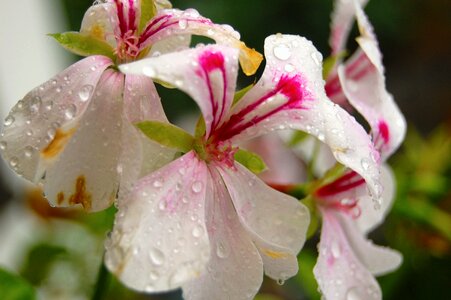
(157, 184)
(282, 52)
(28, 151)
(222, 250)
(183, 24)
(197, 187)
(280, 281)
(197, 231)
(9, 121)
(35, 104)
(14, 161)
(85, 92)
(317, 58)
(70, 112)
(289, 68)
(353, 294)
(156, 257)
(3, 145)
(365, 164)
(335, 250)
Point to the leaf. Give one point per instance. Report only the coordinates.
(330, 62)
(167, 135)
(239, 94)
(305, 277)
(148, 11)
(250, 160)
(13, 287)
(297, 137)
(83, 45)
(200, 127)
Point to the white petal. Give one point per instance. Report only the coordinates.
(371, 217)
(141, 155)
(342, 19)
(39, 126)
(378, 260)
(207, 74)
(235, 267)
(100, 21)
(86, 171)
(160, 240)
(276, 222)
(339, 271)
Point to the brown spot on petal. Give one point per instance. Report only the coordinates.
(80, 196)
(60, 198)
(58, 143)
(275, 254)
(97, 31)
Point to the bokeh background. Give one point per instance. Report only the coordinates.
(58, 252)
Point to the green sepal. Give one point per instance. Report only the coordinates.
(309, 201)
(83, 45)
(167, 135)
(13, 287)
(250, 160)
(297, 137)
(200, 127)
(330, 62)
(148, 11)
(239, 94)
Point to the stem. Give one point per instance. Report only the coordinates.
(103, 280)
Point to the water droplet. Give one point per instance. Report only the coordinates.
(119, 169)
(321, 137)
(157, 183)
(335, 250)
(3, 145)
(197, 231)
(365, 164)
(153, 275)
(197, 187)
(221, 250)
(51, 133)
(353, 294)
(317, 58)
(156, 257)
(183, 24)
(14, 161)
(9, 121)
(28, 151)
(282, 52)
(280, 281)
(162, 205)
(29, 132)
(289, 68)
(85, 92)
(48, 105)
(191, 12)
(70, 112)
(149, 288)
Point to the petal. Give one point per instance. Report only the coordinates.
(40, 125)
(363, 83)
(371, 217)
(141, 155)
(172, 22)
(101, 21)
(378, 260)
(339, 271)
(170, 44)
(159, 240)
(234, 270)
(86, 171)
(291, 94)
(276, 222)
(207, 74)
(342, 19)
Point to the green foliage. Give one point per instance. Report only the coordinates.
(250, 160)
(14, 287)
(83, 45)
(148, 11)
(239, 94)
(167, 135)
(305, 278)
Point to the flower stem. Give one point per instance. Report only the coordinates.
(103, 280)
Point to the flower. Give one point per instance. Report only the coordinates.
(204, 222)
(74, 133)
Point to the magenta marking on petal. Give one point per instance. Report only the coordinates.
(210, 61)
(345, 183)
(131, 15)
(384, 131)
(291, 87)
(120, 16)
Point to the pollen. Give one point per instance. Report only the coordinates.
(275, 254)
(80, 196)
(97, 31)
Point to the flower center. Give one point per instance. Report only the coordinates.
(222, 152)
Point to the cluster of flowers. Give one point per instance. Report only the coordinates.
(191, 214)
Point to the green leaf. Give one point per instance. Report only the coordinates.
(148, 11)
(297, 137)
(314, 218)
(307, 260)
(167, 135)
(200, 127)
(250, 160)
(330, 62)
(83, 45)
(239, 94)
(13, 287)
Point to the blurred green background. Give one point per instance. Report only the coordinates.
(415, 37)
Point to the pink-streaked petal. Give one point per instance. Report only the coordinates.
(275, 221)
(370, 217)
(39, 126)
(235, 269)
(378, 260)
(170, 44)
(141, 155)
(363, 82)
(339, 271)
(301, 103)
(207, 74)
(342, 19)
(172, 22)
(86, 171)
(100, 21)
(283, 166)
(160, 240)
